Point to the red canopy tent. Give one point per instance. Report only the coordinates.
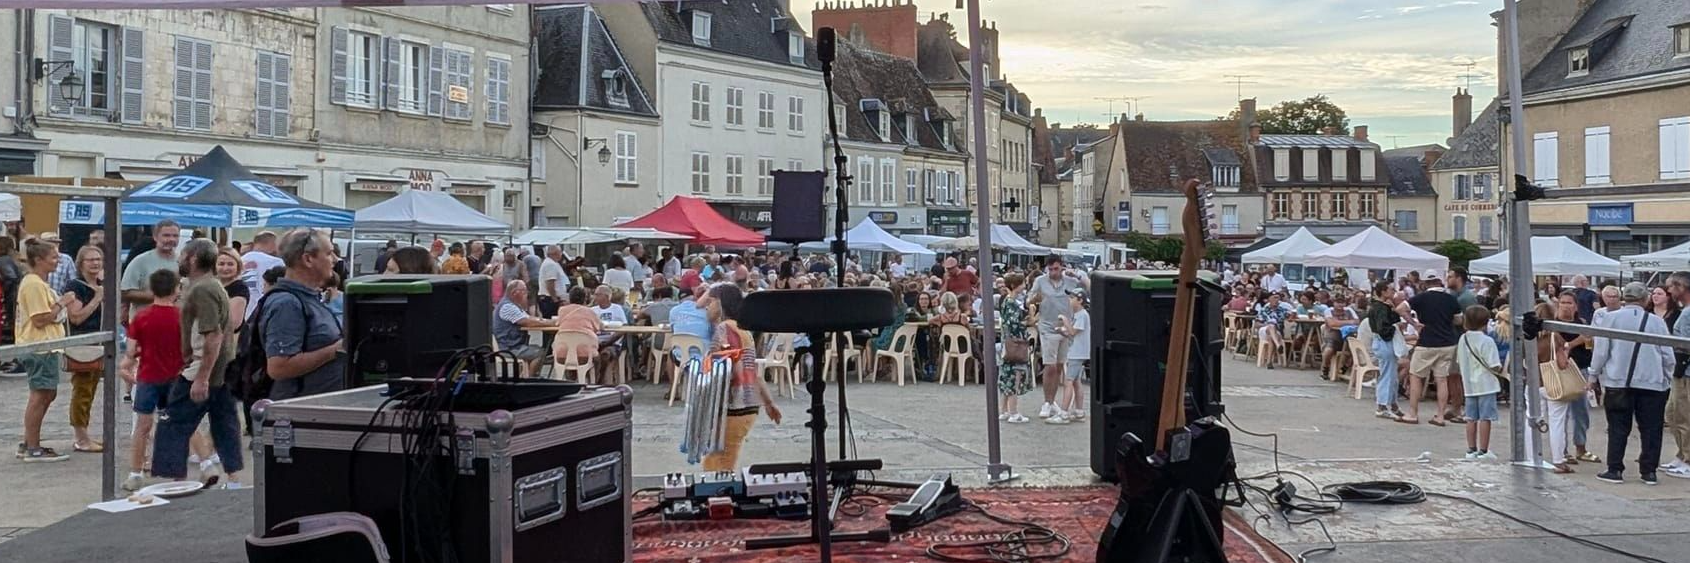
(693, 217)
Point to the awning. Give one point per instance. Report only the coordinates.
(695, 218)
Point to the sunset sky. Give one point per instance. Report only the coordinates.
(1391, 64)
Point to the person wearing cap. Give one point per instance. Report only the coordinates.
(1434, 353)
(1050, 295)
(1634, 378)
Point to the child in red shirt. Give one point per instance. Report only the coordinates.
(155, 338)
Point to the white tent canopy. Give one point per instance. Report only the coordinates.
(1553, 256)
(590, 235)
(1665, 260)
(11, 208)
(1291, 250)
(1003, 238)
(923, 240)
(425, 212)
(868, 237)
(1378, 250)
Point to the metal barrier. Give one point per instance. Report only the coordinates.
(90, 339)
(1676, 342)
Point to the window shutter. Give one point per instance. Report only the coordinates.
(133, 98)
(390, 72)
(281, 95)
(493, 91)
(59, 32)
(183, 111)
(337, 65)
(436, 80)
(202, 84)
(261, 113)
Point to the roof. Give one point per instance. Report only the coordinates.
(1408, 177)
(693, 217)
(1072, 136)
(860, 74)
(1160, 153)
(1416, 151)
(576, 52)
(1626, 38)
(1476, 146)
(740, 27)
(936, 53)
(1323, 141)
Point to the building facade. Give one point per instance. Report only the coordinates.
(1412, 195)
(1159, 156)
(1468, 183)
(740, 93)
(1333, 184)
(1607, 106)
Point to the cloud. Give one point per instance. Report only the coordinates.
(1152, 7)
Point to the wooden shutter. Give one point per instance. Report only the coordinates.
(436, 80)
(202, 84)
(60, 29)
(390, 72)
(132, 99)
(281, 95)
(337, 65)
(182, 112)
(262, 115)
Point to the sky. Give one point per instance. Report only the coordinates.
(1391, 64)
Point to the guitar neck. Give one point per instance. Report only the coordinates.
(1172, 414)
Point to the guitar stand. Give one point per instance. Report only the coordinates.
(1180, 531)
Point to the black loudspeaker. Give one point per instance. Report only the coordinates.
(1132, 314)
(798, 207)
(408, 325)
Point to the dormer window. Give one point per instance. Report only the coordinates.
(909, 129)
(794, 48)
(1226, 176)
(875, 111)
(1578, 62)
(839, 115)
(1681, 40)
(616, 88)
(701, 28)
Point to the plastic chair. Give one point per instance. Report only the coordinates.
(958, 343)
(779, 361)
(1361, 364)
(660, 357)
(851, 355)
(573, 343)
(901, 354)
(690, 346)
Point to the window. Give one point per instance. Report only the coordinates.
(616, 88)
(1311, 165)
(954, 180)
(1158, 220)
(1681, 41)
(1463, 187)
(96, 57)
(511, 199)
(700, 103)
(1460, 226)
(766, 111)
(1545, 159)
(794, 48)
(1578, 62)
(627, 158)
(796, 165)
(941, 187)
(1485, 228)
(701, 28)
(1282, 164)
(1368, 161)
(1675, 148)
(909, 130)
(927, 185)
(765, 176)
(795, 114)
(1281, 205)
(1481, 187)
(736, 107)
(909, 186)
(736, 174)
(1340, 165)
(1596, 156)
(498, 90)
(1229, 219)
(193, 84)
(883, 125)
(1407, 220)
(1340, 206)
(270, 116)
(700, 173)
(355, 64)
(1367, 206)
(1225, 176)
(459, 65)
(412, 81)
(865, 179)
(1311, 205)
(887, 177)
(839, 115)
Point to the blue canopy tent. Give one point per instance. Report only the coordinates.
(216, 191)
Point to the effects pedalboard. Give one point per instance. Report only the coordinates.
(725, 495)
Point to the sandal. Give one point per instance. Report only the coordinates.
(1456, 419)
(93, 447)
(1570, 461)
(1436, 422)
(1562, 469)
(1407, 420)
(1590, 457)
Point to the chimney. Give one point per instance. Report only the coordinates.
(1329, 131)
(1431, 157)
(1246, 116)
(884, 26)
(1463, 103)
(1255, 133)
(1361, 133)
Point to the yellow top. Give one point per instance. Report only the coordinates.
(35, 297)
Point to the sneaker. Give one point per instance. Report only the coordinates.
(232, 485)
(1382, 413)
(211, 472)
(1675, 463)
(1017, 418)
(1046, 410)
(1076, 415)
(1649, 479)
(1487, 456)
(22, 450)
(1471, 456)
(133, 482)
(1680, 471)
(127, 398)
(43, 455)
(1057, 418)
(1003, 416)
(1610, 477)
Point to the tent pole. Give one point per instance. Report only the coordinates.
(996, 470)
(1525, 446)
(109, 319)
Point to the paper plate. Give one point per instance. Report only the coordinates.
(172, 489)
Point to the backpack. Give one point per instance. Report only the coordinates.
(246, 377)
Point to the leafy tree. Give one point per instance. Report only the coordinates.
(1458, 251)
(1167, 249)
(1301, 117)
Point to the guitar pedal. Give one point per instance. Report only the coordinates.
(677, 486)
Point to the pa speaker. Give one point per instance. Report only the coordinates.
(1132, 317)
(798, 207)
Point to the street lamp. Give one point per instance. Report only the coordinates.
(70, 87)
(604, 151)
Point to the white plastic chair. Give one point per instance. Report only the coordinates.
(778, 361)
(573, 343)
(851, 355)
(690, 346)
(958, 343)
(901, 354)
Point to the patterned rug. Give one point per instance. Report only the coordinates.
(1077, 512)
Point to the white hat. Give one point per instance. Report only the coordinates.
(1433, 274)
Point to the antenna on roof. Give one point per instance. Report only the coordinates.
(1239, 81)
(1393, 139)
(1112, 102)
(1469, 76)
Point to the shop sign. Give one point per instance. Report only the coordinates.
(478, 191)
(457, 94)
(422, 180)
(883, 217)
(1470, 207)
(1611, 215)
(186, 160)
(384, 187)
(746, 215)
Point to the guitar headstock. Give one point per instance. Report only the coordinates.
(1200, 226)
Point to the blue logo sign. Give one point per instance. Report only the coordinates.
(264, 192)
(179, 187)
(76, 212)
(1611, 215)
(248, 217)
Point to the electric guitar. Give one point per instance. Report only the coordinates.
(1168, 510)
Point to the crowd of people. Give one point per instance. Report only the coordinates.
(1446, 330)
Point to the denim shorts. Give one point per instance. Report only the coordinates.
(1076, 368)
(43, 370)
(150, 398)
(1481, 407)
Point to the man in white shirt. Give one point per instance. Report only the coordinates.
(897, 266)
(260, 257)
(1272, 282)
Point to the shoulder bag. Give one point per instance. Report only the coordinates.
(1560, 384)
(1621, 398)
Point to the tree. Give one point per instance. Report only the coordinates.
(1167, 249)
(1458, 251)
(1301, 117)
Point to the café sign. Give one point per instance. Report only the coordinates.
(1470, 207)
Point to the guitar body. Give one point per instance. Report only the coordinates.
(1169, 510)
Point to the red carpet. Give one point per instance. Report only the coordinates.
(1079, 513)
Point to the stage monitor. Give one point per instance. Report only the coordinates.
(408, 325)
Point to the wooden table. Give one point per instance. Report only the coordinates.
(1310, 326)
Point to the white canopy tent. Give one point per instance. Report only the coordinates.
(1378, 250)
(1003, 238)
(868, 237)
(926, 241)
(1291, 250)
(11, 208)
(1665, 260)
(426, 212)
(1553, 256)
